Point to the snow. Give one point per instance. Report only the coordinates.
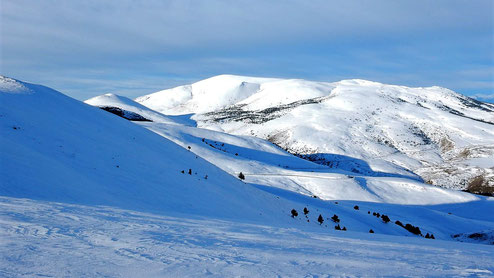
(259, 161)
(126, 104)
(484, 162)
(11, 86)
(56, 148)
(39, 237)
(392, 129)
(84, 192)
(192, 98)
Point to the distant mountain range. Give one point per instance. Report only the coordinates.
(433, 133)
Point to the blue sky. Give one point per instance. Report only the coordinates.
(132, 48)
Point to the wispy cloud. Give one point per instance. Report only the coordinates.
(113, 44)
(489, 97)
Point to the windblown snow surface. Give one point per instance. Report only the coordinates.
(84, 192)
(366, 127)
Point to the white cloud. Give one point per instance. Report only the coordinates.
(110, 42)
(483, 96)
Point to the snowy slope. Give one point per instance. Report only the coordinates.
(132, 110)
(264, 163)
(49, 239)
(196, 98)
(122, 200)
(354, 125)
(59, 149)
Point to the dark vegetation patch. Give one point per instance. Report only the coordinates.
(486, 237)
(458, 113)
(385, 218)
(413, 229)
(421, 134)
(421, 105)
(236, 113)
(479, 185)
(131, 116)
(215, 145)
(320, 219)
(473, 103)
(335, 219)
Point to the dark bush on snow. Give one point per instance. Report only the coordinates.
(398, 222)
(241, 176)
(306, 211)
(356, 208)
(412, 229)
(431, 236)
(371, 231)
(337, 227)
(335, 218)
(131, 116)
(320, 219)
(385, 218)
(294, 213)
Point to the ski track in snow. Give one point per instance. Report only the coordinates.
(38, 237)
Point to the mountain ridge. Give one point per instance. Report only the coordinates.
(418, 129)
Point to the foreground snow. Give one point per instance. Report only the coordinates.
(39, 237)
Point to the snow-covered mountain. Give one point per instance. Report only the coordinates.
(263, 163)
(80, 184)
(366, 127)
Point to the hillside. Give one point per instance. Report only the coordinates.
(355, 125)
(131, 110)
(58, 149)
(79, 184)
(263, 163)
